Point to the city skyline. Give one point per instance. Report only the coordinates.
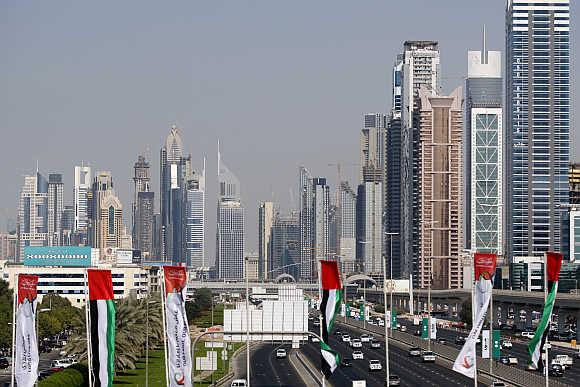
(57, 128)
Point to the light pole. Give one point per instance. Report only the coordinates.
(431, 223)
(390, 234)
(247, 259)
(37, 324)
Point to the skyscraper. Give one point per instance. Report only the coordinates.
(320, 224)
(372, 142)
(195, 220)
(142, 208)
(106, 220)
(484, 152)
(32, 228)
(369, 248)
(441, 176)
(175, 170)
(421, 67)
(537, 123)
(81, 193)
(230, 238)
(305, 196)
(67, 226)
(285, 246)
(55, 208)
(347, 228)
(265, 223)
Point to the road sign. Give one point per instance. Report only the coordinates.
(496, 344)
(425, 328)
(433, 328)
(348, 310)
(362, 311)
(485, 344)
(394, 319)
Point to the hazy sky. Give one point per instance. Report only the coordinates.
(279, 83)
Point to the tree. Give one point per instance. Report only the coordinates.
(5, 315)
(59, 315)
(203, 298)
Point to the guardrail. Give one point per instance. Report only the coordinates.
(314, 375)
(514, 376)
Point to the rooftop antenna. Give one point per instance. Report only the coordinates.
(219, 158)
(484, 52)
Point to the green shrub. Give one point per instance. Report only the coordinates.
(76, 375)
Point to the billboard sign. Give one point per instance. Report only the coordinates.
(69, 256)
(124, 257)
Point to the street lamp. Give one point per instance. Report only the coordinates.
(431, 223)
(390, 234)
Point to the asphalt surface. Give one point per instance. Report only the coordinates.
(43, 364)
(519, 350)
(411, 370)
(265, 369)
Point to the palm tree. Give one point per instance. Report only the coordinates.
(130, 331)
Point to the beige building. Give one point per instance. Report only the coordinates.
(441, 172)
(109, 222)
(265, 223)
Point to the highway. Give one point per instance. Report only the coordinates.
(519, 349)
(411, 370)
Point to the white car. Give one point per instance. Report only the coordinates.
(375, 365)
(428, 357)
(564, 360)
(358, 355)
(375, 344)
(356, 343)
(281, 353)
(314, 339)
(403, 328)
(365, 338)
(381, 322)
(239, 383)
(346, 338)
(529, 335)
(506, 344)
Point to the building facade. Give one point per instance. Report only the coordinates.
(369, 228)
(8, 246)
(347, 228)
(81, 197)
(441, 128)
(537, 123)
(574, 183)
(265, 223)
(55, 208)
(142, 207)
(484, 152)
(320, 224)
(32, 227)
(285, 246)
(420, 68)
(195, 221)
(305, 205)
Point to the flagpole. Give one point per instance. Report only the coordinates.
(14, 298)
(320, 315)
(473, 315)
(87, 326)
(390, 316)
(162, 293)
(549, 318)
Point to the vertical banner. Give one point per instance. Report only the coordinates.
(496, 344)
(389, 319)
(26, 366)
(485, 344)
(394, 319)
(433, 328)
(484, 271)
(425, 328)
(177, 328)
(342, 310)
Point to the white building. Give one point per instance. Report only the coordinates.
(33, 213)
(82, 187)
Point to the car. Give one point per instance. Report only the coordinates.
(428, 357)
(394, 380)
(239, 383)
(380, 322)
(414, 352)
(316, 322)
(563, 360)
(44, 374)
(441, 340)
(356, 343)
(556, 370)
(4, 363)
(346, 362)
(375, 365)
(358, 355)
(403, 328)
(365, 338)
(460, 340)
(418, 332)
(375, 344)
(346, 338)
(508, 360)
(314, 339)
(506, 344)
(61, 363)
(338, 332)
(280, 353)
(527, 334)
(497, 383)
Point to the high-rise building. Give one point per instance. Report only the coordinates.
(285, 246)
(372, 142)
(369, 235)
(230, 238)
(305, 196)
(537, 124)
(420, 68)
(265, 223)
(32, 225)
(484, 152)
(8, 246)
(347, 228)
(441, 177)
(106, 213)
(175, 170)
(67, 226)
(142, 233)
(81, 197)
(195, 221)
(320, 224)
(55, 209)
(574, 183)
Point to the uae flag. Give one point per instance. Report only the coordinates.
(536, 345)
(330, 307)
(26, 357)
(102, 327)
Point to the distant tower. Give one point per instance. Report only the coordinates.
(55, 208)
(306, 218)
(32, 227)
(265, 223)
(230, 238)
(81, 197)
(195, 220)
(143, 207)
(347, 228)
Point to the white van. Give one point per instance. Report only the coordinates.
(239, 383)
